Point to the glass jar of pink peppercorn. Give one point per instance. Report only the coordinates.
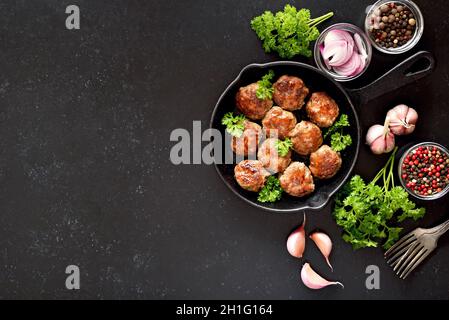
(424, 170)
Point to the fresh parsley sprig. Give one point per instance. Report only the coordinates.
(342, 122)
(271, 192)
(235, 124)
(265, 89)
(367, 212)
(339, 141)
(288, 32)
(283, 147)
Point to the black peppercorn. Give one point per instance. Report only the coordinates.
(392, 25)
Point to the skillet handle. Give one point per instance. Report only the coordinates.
(399, 76)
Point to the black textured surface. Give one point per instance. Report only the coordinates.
(85, 176)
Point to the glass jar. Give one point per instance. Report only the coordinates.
(352, 29)
(373, 21)
(410, 150)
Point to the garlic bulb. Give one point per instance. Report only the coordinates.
(380, 139)
(313, 280)
(401, 119)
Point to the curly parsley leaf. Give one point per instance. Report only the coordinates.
(289, 32)
(271, 192)
(283, 147)
(367, 212)
(342, 122)
(339, 141)
(235, 124)
(265, 89)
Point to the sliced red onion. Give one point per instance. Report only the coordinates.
(360, 45)
(337, 52)
(344, 52)
(326, 61)
(338, 35)
(362, 65)
(338, 47)
(351, 67)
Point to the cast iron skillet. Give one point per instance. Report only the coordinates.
(315, 80)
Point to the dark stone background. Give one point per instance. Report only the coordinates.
(85, 176)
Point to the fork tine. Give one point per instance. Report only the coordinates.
(405, 257)
(414, 263)
(408, 256)
(397, 254)
(417, 263)
(399, 244)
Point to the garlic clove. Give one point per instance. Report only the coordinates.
(394, 122)
(313, 280)
(374, 132)
(388, 142)
(296, 242)
(380, 139)
(412, 116)
(324, 244)
(402, 119)
(378, 146)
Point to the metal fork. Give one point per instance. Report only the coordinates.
(406, 254)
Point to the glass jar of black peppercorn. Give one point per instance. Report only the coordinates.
(394, 26)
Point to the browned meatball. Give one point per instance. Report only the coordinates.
(290, 92)
(250, 175)
(322, 109)
(278, 123)
(306, 138)
(251, 106)
(297, 180)
(325, 162)
(247, 143)
(270, 158)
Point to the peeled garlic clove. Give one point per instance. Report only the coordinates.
(380, 139)
(296, 242)
(402, 119)
(324, 244)
(313, 280)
